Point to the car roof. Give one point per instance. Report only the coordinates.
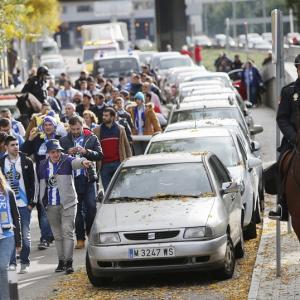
(183, 57)
(192, 133)
(116, 55)
(204, 104)
(201, 123)
(167, 53)
(229, 97)
(164, 158)
(214, 74)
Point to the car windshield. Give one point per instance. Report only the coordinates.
(169, 63)
(160, 181)
(209, 113)
(50, 50)
(223, 147)
(114, 67)
(53, 64)
(88, 54)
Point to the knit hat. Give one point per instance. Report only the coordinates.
(51, 120)
(139, 96)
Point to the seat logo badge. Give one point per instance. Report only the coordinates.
(151, 236)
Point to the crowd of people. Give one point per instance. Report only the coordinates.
(82, 132)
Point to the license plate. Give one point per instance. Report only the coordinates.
(136, 253)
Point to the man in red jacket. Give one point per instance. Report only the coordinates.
(197, 54)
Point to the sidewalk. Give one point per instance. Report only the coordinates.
(265, 285)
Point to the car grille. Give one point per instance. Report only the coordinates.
(153, 262)
(159, 235)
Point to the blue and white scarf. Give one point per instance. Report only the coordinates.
(6, 221)
(139, 126)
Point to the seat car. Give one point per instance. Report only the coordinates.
(151, 220)
(252, 147)
(212, 109)
(230, 149)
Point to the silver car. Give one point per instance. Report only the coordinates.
(167, 212)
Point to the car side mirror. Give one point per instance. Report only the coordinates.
(169, 106)
(248, 104)
(79, 61)
(255, 146)
(253, 162)
(256, 129)
(230, 188)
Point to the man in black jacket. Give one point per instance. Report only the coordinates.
(19, 172)
(99, 107)
(288, 109)
(82, 142)
(36, 85)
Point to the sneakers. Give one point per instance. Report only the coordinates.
(80, 244)
(12, 268)
(24, 269)
(43, 245)
(69, 267)
(61, 266)
(280, 214)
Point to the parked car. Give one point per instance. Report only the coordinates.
(220, 40)
(145, 57)
(55, 64)
(212, 109)
(166, 223)
(229, 148)
(252, 146)
(202, 40)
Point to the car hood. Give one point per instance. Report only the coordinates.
(161, 214)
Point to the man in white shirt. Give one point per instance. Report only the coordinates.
(66, 94)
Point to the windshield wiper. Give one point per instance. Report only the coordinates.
(120, 199)
(161, 196)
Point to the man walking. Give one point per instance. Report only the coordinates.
(83, 143)
(19, 172)
(57, 193)
(114, 143)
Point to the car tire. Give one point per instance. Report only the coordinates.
(227, 271)
(250, 231)
(240, 247)
(96, 280)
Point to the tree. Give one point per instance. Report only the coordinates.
(27, 19)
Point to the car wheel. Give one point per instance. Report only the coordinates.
(226, 272)
(240, 247)
(96, 280)
(250, 231)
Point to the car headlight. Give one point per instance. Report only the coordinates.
(198, 232)
(105, 238)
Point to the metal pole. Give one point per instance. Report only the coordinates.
(277, 33)
(234, 17)
(227, 24)
(291, 20)
(247, 52)
(264, 15)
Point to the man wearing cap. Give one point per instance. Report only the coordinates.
(86, 103)
(57, 194)
(99, 107)
(287, 123)
(144, 118)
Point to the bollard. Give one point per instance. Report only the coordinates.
(13, 285)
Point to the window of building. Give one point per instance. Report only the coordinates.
(84, 8)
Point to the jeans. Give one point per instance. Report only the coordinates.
(62, 223)
(7, 246)
(253, 94)
(86, 207)
(25, 217)
(107, 172)
(46, 232)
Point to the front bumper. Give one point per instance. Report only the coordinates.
(190, 255)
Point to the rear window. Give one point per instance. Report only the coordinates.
(174, 62)
(115, 67)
